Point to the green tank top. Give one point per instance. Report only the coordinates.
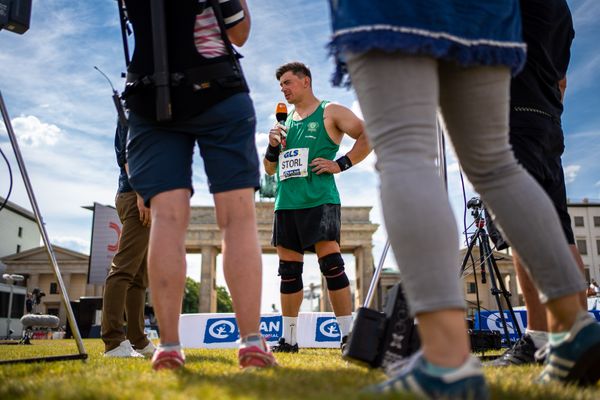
(312, 190)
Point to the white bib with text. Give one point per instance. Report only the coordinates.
(293, 163)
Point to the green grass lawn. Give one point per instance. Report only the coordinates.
(214, 374)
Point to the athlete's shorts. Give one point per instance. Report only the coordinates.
(299, 230)
(538, 144)
(160, 155)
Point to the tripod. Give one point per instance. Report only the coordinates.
(82, 355)
(486, 258)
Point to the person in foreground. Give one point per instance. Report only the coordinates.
(406, 58)
(211, 107)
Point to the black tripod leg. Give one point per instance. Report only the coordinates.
(468, 254)
(485, 250)
(505, 293)
(469, 250)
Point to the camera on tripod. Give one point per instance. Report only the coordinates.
(15, 15)
(477, 211)
(475, 203)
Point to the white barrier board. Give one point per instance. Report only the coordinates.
(217, 331)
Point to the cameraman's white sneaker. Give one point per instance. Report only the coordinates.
(124, 350)
(147, 351)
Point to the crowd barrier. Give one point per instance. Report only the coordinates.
(216, 331)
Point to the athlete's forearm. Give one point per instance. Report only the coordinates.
(270, 167)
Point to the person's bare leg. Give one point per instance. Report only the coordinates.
(562, 312)
(581, 265)
(444, 339)
(341, 299)
(166, 259)
(536, 311)
(242, 264)
(290, 303)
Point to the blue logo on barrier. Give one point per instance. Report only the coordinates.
(221, 330)
(327, 330)
(225, 330)
(271, 328)
(491, 321)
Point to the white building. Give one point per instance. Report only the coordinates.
(18, 229)
(585, 220)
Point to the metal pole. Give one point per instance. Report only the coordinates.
(375, 279)
(10, 299)
(38, 217)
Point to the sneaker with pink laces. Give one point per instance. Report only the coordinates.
(255, 353)
(167, 359)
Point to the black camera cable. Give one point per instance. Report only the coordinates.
(10, 180)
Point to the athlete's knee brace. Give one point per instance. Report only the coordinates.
(332, 268)
(291, 276)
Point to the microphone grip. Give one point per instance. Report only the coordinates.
(163, 103)
(119, 107)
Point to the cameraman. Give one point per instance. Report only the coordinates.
(210, 107)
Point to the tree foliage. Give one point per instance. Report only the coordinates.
(191, 298)
(224, 303)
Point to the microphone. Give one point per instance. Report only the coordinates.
(281, 115)
(40, 321)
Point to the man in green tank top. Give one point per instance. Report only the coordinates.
(307, 204)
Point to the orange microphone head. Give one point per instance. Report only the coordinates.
(281, 113)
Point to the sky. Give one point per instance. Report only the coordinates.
(63, 116)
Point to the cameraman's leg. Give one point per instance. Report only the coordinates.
(228, 148)
(160, 159)
(166, 259)
(242, 262)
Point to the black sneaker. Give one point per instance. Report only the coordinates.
(522, 353)
(344, 343)
(284, 347)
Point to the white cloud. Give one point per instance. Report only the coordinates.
(33, 132)
(571, 172)
(586, 13)
(356, 109)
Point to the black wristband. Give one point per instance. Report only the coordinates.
(272, 153)
(344, 162)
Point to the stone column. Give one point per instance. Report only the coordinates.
(358, 266)
(513, 289)
(365, 274)
(208, 273)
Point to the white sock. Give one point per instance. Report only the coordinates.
(254, 339)
(539, 338)
(289, 329)
(345, 323)
(170, 347)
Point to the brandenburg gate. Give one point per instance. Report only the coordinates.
(203, 237)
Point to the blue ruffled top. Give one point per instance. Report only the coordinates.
(469, 32)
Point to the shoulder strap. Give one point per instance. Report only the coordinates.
(233, 54)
